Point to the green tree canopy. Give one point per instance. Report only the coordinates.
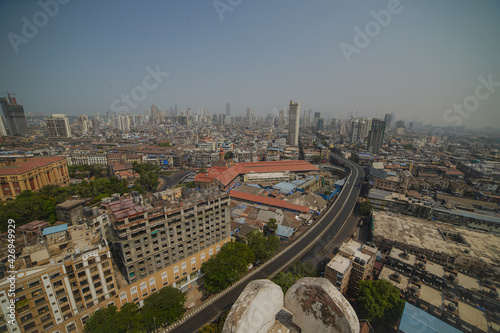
(227, 266)
(379, 302)
(228, 155)
(272, 225)
(297, 271)
(262, 246)
(365, 208)
(165, 306)
(316, 159)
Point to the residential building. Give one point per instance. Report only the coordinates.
(84, 123)
(146, 240)
(60, 281)
(353, 263)
(58, 126)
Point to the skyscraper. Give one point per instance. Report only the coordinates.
(58, 126)
(388, 121)
(319, 124)
(281, 121)
(317, 115)
(154, 114)
(228, 109)
(14, 116)
(3, 130)
(376, 135)
(293, 123)
(356, 130)
(83, 121)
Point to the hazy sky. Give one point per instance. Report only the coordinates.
(418, 63)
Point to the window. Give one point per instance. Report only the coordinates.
(36, 293)
(144, 289)
(29, 326)
(26, 318)
(33, 283)
(123, 297)
(210, 252)
(85, 319)
(44, 309)
(193, 263)
(202, 256)
(164, 278)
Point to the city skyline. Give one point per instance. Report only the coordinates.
(86, 57)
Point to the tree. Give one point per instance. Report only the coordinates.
(164, 144)
(103, 321)
(272, 225)
(227, 266)
(316, 159)
(130, 318)
(262, 246)
(228, 155)
(303, 269)
(165, 306)
(365, 208)
(202, 170)
(297, 271)
(380, 302)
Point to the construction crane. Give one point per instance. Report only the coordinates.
(11, 100)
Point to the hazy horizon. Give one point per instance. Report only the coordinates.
(417, 64)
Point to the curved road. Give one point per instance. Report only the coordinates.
(314, 241)
(173, 179)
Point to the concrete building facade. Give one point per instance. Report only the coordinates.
(146, 241)
(31, 174)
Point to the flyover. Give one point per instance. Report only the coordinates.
(313, 243)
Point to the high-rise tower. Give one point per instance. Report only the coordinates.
(293, 123)
(376, 135)
(14, 116)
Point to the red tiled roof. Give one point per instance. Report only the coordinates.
(31, 164)
(264, 167)
(268, 201)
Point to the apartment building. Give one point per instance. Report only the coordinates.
(87, 159)
(60, 281)
(353, 263)
(148, 239)
(31, 174)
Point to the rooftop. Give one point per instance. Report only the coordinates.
(425, 234)
(339, 264)
(20, 167)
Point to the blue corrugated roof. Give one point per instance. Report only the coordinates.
(284, 231)
(285, 187)
(416, 320)
(53, 230)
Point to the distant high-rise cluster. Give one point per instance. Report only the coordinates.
(294, 122)
(228, 109)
